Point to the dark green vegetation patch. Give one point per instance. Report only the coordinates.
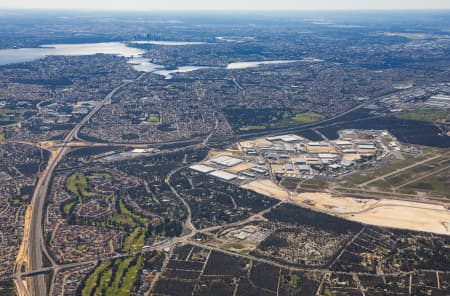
(247, 119)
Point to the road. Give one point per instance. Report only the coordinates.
(171, 242)
(188, 223)
(59, 267)
(208, 137)
(35, 242)
(318, 124)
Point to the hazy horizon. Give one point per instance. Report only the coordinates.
(231, 5)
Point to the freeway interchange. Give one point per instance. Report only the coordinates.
(34, 242)
(29, 273)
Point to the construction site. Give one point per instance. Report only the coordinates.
(351, 177)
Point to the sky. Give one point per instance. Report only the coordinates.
(226, 4)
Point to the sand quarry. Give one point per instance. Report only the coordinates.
(379, 212)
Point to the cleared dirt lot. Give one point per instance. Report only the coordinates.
(255, 143)
(268, 188)
(333, 204)
(400, 214)
(406, 215)
(241, 167)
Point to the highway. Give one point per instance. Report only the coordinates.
(34, 240)
(35, 243)
(318, 124)
(59, 267)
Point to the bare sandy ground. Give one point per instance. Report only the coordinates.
(255, 143)
(268, 188)
(385, 212)
(351, 156)
(212, 154)
(392, 213)
(406, 217)
(22, 253)
(278, 168)
(335, 205)
(241, 167)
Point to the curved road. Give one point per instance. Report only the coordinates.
(35, 242)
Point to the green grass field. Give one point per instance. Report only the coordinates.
(297, 118)
(125, 212)
(424, 114)
(102, 174)
(429, 178)
(287, 121)
(127, 218)
(135, 241)
(68, 207)
(130, 278)
(438, 185)
(371, 173)
(91, 282)
(293, 283)
(116, 277)
(154, 117)
(121, 270)
(77, 185)
(253, 127)
(248, 119)
(307, 117)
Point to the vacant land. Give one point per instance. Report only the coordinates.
(268, 188)
(245, 119)
(424, 114)
(334, 204)
(437, 184)
(381, 212)
(406, 215)
(422, 176)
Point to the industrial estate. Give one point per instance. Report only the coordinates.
(195, 154)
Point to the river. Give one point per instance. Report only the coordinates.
(133, 54)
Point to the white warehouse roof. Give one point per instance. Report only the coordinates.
(321, 144)
(201, 168)
(299, 160)
(285, 138)
(327, 155)
(366, 146)
(224, 175)
(227, 161)
(343, 143)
